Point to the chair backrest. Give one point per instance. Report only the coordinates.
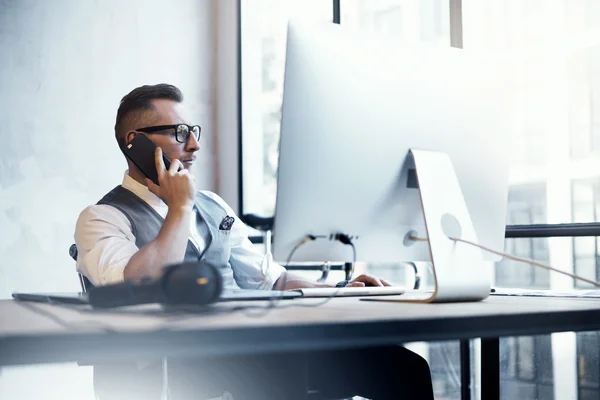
(263, 224)
(83, 281)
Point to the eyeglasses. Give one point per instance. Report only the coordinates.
(182, 131)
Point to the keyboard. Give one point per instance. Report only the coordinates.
(352, 291)
(251, 294)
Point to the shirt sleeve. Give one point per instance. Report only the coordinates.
(251, 268)
(105, 243)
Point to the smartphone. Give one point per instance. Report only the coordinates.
(141, 152)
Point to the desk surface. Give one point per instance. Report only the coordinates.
(34, 332)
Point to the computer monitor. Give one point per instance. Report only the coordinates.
(354, 105)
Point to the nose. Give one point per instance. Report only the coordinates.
(192, 144)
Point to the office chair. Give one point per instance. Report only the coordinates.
(263, 224)
(83, 280)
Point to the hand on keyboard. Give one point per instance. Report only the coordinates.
(367, 280)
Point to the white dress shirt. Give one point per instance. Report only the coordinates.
(105, 242)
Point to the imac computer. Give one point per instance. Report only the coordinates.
(385, 143)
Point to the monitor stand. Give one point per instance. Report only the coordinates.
(459, 271)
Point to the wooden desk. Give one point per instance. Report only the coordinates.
(38, 333)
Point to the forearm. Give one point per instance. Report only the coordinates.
(288, 281)
(167, 248)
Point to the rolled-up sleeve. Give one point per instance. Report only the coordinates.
(251, 268)
(105, 243)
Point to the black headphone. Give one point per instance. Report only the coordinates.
(187, 283)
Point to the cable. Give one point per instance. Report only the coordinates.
(274, 300)
(417, 284)
(515, 258)
(345, 239)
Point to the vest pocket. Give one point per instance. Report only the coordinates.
(224, 253)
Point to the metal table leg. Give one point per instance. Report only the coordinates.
(465, 370)
(490, 369)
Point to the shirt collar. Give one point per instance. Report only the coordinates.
(142, 191)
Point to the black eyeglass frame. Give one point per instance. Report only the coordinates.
(157, 129)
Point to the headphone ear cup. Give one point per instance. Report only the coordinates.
(195, 282)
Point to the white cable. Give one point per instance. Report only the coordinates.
(515, 258)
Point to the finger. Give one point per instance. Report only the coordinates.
(370, 280)
(158, 161)
(355, 284)
(187, 173)
(377, 281)
(386, 283)
(175, 167)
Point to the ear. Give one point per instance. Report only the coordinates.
(130, 136)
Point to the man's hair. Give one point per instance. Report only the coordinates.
(136, 104)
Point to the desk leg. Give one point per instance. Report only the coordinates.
(465, 370)
(490, 369)
(165, 380)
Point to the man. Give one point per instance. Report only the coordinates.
(139, 227)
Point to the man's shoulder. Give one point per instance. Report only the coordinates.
(99, 219)
(100, 211)
(207, 195)
(116, 194)
(103, 207)
(212, 196)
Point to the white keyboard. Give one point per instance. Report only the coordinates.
(352, 291)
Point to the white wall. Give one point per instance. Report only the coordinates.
(64, 66)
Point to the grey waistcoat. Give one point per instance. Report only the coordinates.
(146, 223)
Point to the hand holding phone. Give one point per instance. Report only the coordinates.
(177, 187)
(168, 180)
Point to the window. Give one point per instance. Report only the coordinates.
(263, 37)
(586, 208)
(553, 148)
(553, 45)
(410, 21)
(444, 363)
(526, 205)
(526, 367)
(584, 113)
(588, 365)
